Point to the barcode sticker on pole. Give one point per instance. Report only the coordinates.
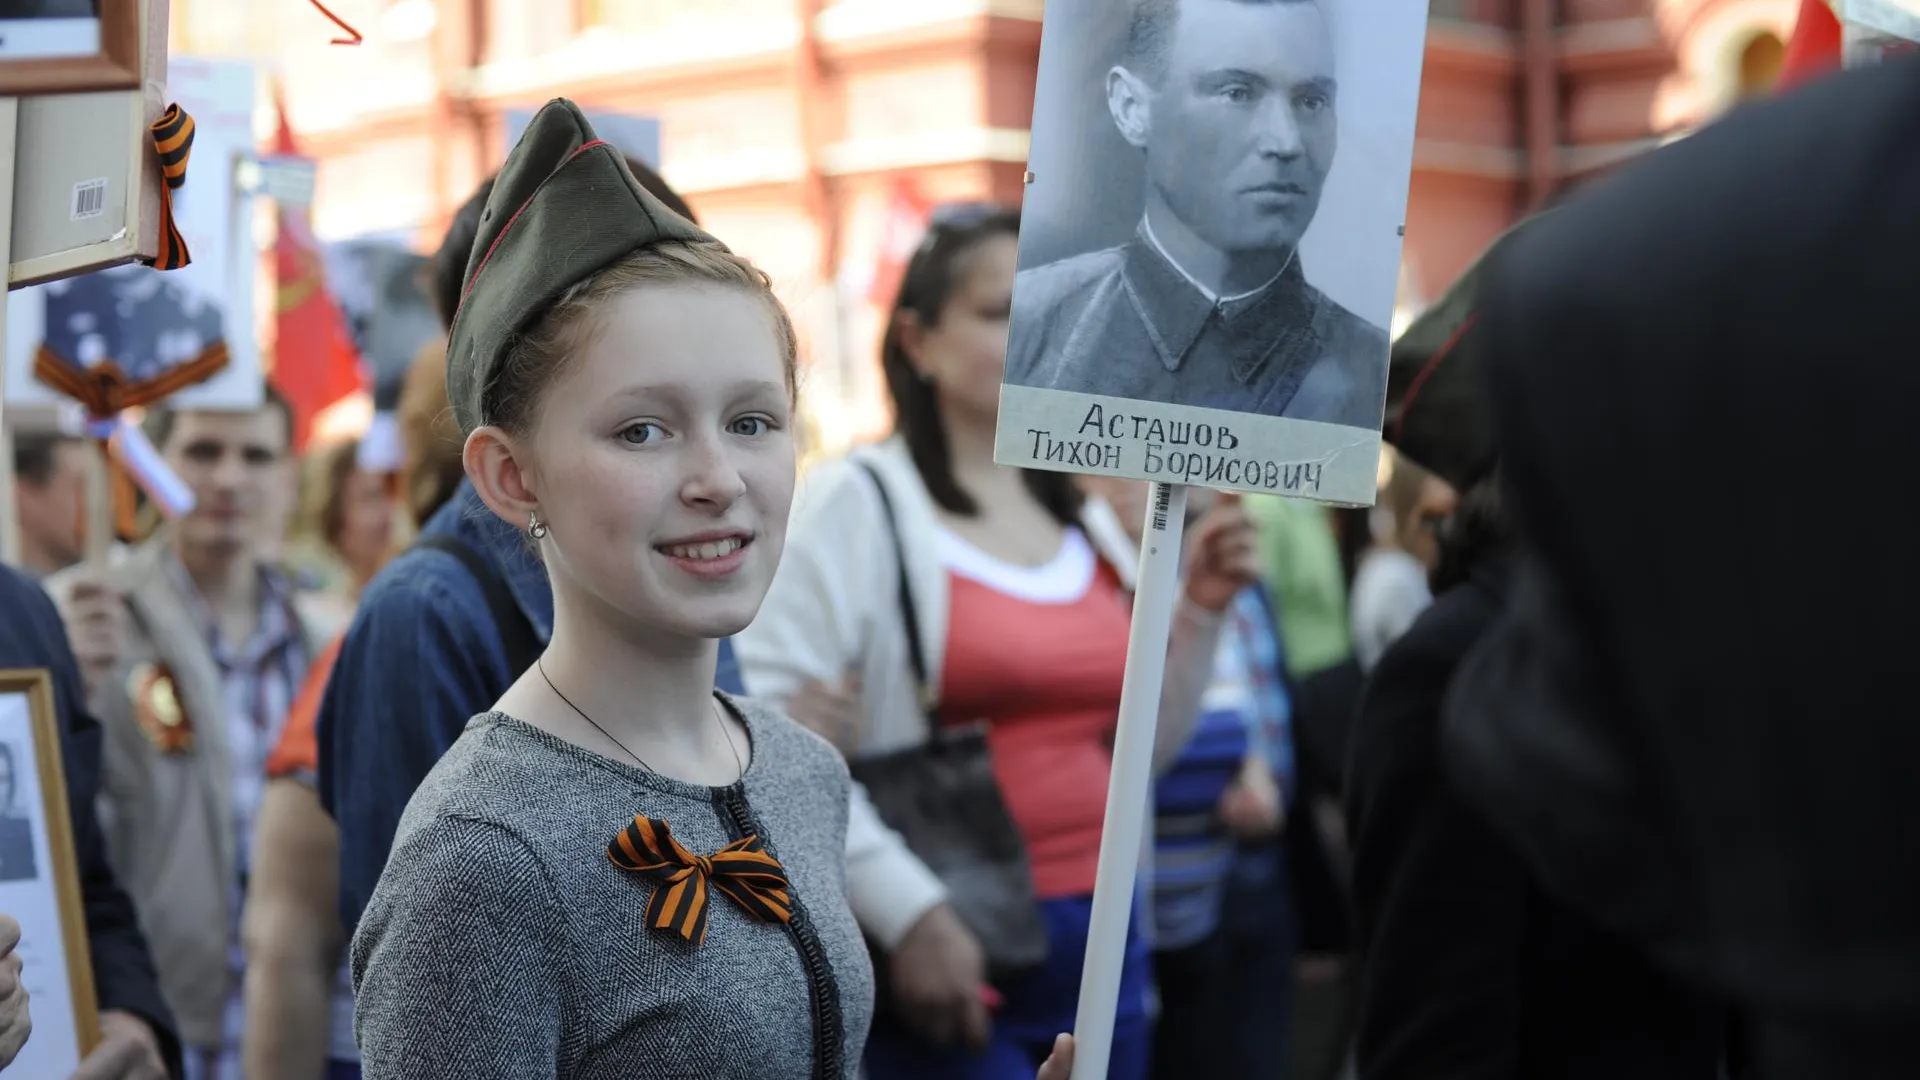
(1162, 501)
(89, 198)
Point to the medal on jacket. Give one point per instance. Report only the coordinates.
(157, 708)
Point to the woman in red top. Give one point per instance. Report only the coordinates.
(1023, 621)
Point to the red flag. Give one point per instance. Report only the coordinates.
(1815, 47)
(315, 364)
(900, 236)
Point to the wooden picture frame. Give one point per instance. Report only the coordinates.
(93, 148)
(36, 61)
(40, 883)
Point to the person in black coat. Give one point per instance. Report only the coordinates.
(1696, 722)
(1471, 971)
(138, 1037)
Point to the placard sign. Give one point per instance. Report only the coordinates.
(149, 322)
(40, 883)
(86, 186)
(1210, 242)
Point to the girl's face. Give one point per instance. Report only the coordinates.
(965, 355)
(663, 461)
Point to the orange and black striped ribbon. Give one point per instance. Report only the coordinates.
(105, 390)
(173, 142)
(742, 871)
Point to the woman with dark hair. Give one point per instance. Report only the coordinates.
(1020, 611)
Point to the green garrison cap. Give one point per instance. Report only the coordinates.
(564, 208)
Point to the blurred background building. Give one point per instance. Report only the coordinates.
(811, 134)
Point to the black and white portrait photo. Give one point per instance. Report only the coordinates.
(1213, 219)
(16, 823)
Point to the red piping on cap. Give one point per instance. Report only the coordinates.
(1428, 368)
(484, 259)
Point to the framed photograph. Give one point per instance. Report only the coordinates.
(68, 46)
(1210, 242)
(39, 881)
(86, 188)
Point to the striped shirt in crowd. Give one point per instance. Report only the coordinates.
(258, 682)
(1245, 711)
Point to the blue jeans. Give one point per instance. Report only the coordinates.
(343, 1070)
(1257, 919)
(1038, 1006)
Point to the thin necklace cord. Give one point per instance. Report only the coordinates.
(739, 765)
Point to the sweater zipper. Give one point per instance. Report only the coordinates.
(828, 1048)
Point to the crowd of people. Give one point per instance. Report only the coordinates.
(598, 741)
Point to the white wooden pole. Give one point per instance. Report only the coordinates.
(1155, 591)
(9, 512)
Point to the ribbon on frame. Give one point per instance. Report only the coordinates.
(173, 143)
(742, 871)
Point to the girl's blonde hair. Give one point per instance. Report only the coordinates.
(540, 354)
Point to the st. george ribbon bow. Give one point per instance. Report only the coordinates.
(742, 870)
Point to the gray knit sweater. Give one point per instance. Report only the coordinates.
(502, 942)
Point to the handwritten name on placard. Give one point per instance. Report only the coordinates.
(1176, 451)
(354, 37)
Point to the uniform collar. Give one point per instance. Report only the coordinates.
(1146, 231)
(1177, 309)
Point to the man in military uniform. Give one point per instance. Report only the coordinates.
(1231, 103)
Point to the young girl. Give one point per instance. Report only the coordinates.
(619, 872)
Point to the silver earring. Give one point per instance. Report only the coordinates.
(535, 527)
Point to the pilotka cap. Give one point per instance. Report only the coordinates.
(563, 208)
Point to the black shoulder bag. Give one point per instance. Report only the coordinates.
(944, 801)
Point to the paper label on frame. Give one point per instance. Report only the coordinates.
(1216, 448)
(89, 199)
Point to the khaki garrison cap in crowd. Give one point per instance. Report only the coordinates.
(564, 207)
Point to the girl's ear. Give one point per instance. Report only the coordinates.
(496, 464)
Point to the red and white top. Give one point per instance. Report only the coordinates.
(1040, 653)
